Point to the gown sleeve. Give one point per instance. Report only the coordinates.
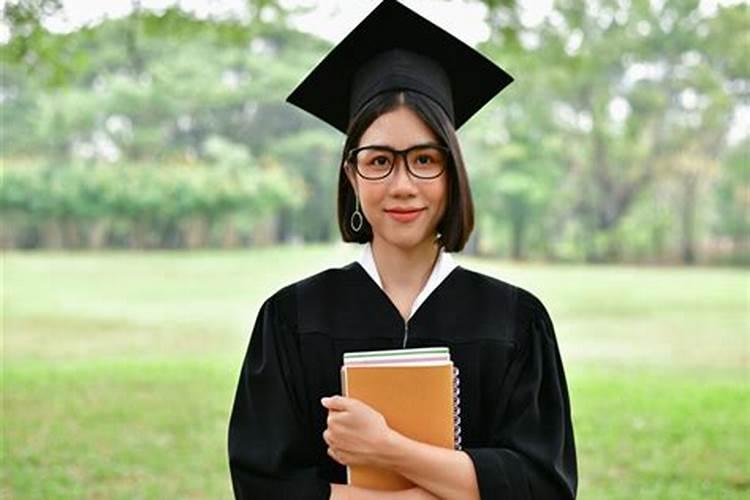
(271, 449)
(532, 451)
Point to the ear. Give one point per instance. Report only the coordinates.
(351, 175)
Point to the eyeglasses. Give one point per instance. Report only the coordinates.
(425, 161)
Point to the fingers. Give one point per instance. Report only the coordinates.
(333, 440)
(336, 403)
(332, 454)
(328, 434)
(331, 419)
(330, 438)
(339, 456)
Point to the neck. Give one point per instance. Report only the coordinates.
(404, 270)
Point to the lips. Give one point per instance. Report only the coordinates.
(404, 214)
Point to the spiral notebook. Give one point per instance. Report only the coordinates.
(416, 390)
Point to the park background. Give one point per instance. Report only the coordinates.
(156, 189)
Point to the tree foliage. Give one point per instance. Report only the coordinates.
(636, 98)
(611, 144)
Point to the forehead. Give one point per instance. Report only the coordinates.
(400, 129)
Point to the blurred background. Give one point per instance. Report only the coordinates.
(156, 189)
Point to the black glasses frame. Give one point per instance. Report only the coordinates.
(351, 159)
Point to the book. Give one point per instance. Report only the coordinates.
(416, 391)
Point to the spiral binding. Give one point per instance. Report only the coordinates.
(456, 409)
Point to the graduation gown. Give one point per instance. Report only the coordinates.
(515, 412)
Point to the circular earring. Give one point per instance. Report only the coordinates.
(356, 220)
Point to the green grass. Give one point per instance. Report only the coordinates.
(119, 370)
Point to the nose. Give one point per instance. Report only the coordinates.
(401, 181)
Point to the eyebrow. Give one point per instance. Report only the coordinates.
(386, 146)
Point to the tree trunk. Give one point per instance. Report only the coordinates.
(138, 234)
(10, 231)
(687, 219)
(96, 236)
(52, 235)
(517, 232)
(71, 233)
(472, 246)
(283, 226)
(231, 238)
(196, 232)
(613, 252)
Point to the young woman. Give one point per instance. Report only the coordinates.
(403, 194)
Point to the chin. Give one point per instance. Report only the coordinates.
(406, 240)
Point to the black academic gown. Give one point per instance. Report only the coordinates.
(515, 413)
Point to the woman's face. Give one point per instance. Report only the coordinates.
(403, 211)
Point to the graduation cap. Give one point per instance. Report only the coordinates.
(394, 48)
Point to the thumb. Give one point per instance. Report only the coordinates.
(336, 403)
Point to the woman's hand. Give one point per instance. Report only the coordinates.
(356, 433)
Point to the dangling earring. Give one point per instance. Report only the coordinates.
(356, 220)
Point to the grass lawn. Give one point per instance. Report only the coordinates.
(119, 370)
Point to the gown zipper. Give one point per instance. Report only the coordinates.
(406, 335)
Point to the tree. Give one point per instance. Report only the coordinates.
(625, 87)
(732, 199)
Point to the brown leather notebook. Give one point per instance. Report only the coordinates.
(415, 399)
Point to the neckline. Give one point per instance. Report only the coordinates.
(441, 267)
(388, 300)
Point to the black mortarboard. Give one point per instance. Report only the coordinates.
(395, 48)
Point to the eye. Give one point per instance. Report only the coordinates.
(424, 159)
(380, 161)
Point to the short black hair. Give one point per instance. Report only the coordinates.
(458, 221)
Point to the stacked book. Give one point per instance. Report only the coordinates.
(416, 390)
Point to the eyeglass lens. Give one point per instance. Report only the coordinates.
(424, 162)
